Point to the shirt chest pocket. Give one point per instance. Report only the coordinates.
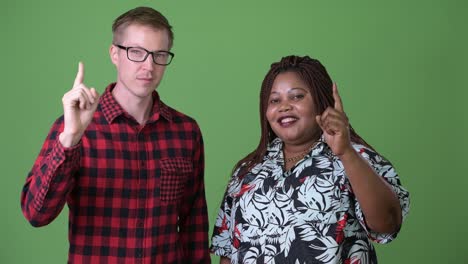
(174, 175)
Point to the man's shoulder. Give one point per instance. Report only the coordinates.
(176, 115)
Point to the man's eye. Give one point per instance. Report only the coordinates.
(136, 52)
(161, 55)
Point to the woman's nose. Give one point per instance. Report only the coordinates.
(285, 106)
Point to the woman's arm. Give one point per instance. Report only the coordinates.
(379, 203)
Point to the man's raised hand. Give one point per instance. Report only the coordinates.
(79, 105)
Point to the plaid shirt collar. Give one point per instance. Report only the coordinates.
(112, 109)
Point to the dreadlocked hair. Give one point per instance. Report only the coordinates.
(314, 74)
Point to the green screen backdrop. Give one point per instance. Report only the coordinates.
(401, 67)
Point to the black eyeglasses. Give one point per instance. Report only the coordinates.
(137, 54)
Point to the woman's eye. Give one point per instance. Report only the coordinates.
(297, 97)
(274, 101)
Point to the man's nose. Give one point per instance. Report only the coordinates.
(148, 62)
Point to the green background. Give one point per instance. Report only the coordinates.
(401, 68)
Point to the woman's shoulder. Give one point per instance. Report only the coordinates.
(370, 154)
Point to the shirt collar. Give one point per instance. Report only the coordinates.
(112, 109)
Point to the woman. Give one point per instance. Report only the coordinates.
(313, 191)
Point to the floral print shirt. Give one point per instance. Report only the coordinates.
(308, 214)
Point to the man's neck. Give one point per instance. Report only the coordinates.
(138, 107)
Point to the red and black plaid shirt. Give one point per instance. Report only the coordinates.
(135, 193)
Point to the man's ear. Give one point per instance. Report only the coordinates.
(114, 54)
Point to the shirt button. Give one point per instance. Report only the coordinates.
(138, 253)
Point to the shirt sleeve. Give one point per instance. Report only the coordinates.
(193, 227)
(385, 169)
(50, 180)
(222, 238)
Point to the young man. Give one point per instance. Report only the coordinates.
(129, 167)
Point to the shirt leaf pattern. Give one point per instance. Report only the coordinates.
(308, 214)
